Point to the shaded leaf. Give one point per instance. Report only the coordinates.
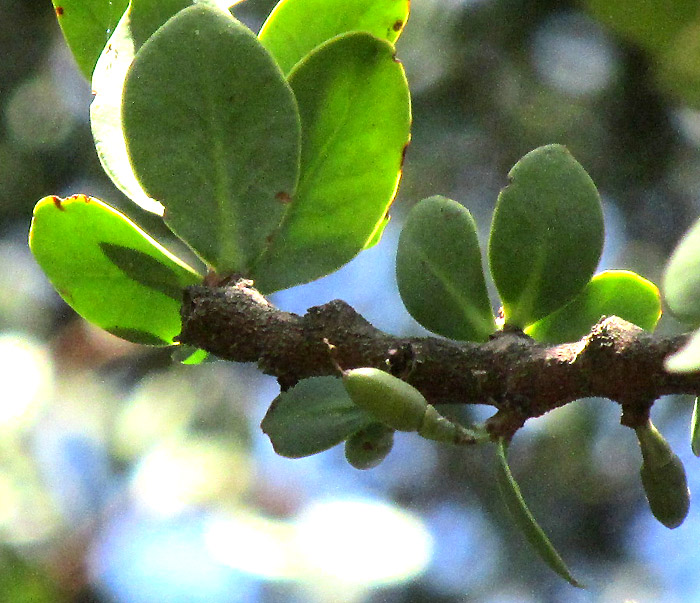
(517, 508)
(289, 38)
(368, 447)
(546, 235)
(314, 415)
(439, 271)
(678, 69)
(212, 131)
(681, 282)
(687, 359)
(86, 26)
(652, 24)
(611, 293)
(108, 270)
(355, 113)
(138, 23)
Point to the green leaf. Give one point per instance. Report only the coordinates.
(86, 26)
(695, 428)
(138, 23)
(314, 415)
(653, 24)
(212, 131)
(108, 270)
(546, 235)
(289, 38)
(368, 447)
(523, 519)
(611, 293)
(687, 359)
(681, 282)
(439, 271)
(678, 70)
(355, 113)
(190, 355)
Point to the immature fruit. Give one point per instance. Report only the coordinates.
(402, 407)
(663, 477)
(369, 446)
(389, 399)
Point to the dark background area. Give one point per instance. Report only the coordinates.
(126, 478)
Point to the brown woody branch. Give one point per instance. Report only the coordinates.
(512, 372)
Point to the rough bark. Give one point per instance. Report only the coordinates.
(521, 378)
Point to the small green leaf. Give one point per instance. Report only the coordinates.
(681, 282)
(514, 502)
(439, 271)
(313, 416)
(695, 429)
(212, 131)
(368, 447)
(190, 355)
(611, 293)
(138, 23)
(86, 26)
(546, 235)
(687, 359)
(289, 38)
(355, 113)
(108, 270)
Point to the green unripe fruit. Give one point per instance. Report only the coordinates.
(387, 398)
(663, 477)
(369, 446)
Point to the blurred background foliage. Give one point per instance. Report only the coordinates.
(125, 478)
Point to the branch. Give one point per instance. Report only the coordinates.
(521, 378)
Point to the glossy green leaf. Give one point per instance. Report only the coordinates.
(355, 113)
(314, 415)
(108, 270)
(546, 235)
(687, 359)
(86, 26)
(138, 23)
(523, 519)
(653, 24)
(439, 271)
(212, 131)
(695, 428)
(288, 36)
(611, 293)
(681, 282)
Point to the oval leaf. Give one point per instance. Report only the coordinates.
(313, 416)
(108, 270)
(681, 282)
(137, 24)
(687, 359)
(439, 271)
(514, 502)
(287, 35)
(212, 131)
(86, 26)
(546, 235)
(355, 112)
(611, 293)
